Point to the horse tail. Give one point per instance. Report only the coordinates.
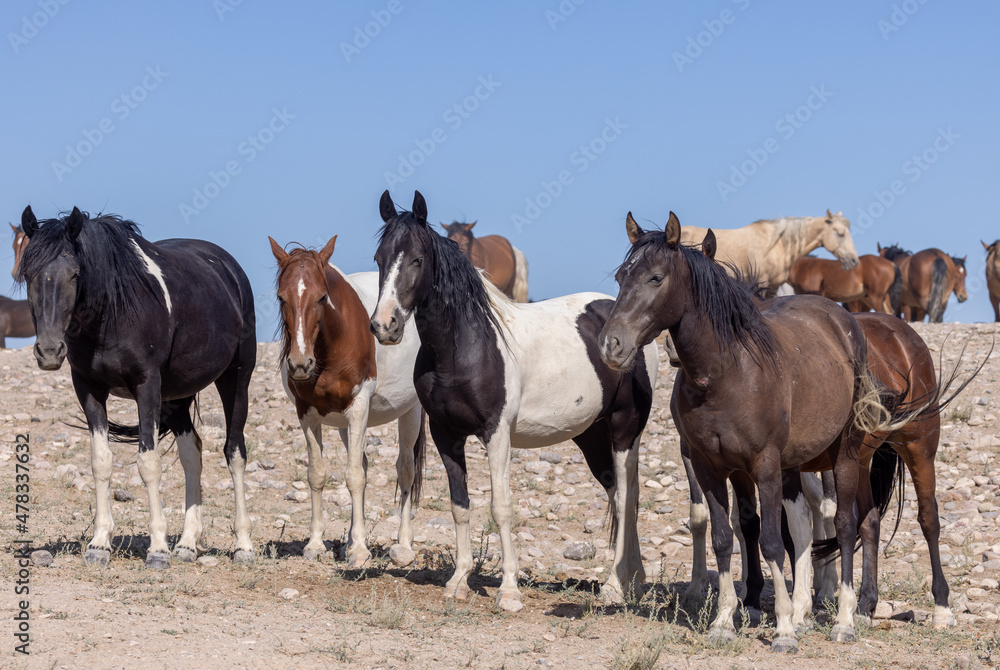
(118, 432)
(886, 475)
(896, 291)
(936, 301)
(419, 456)
(520, 290)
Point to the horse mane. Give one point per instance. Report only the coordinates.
(458, 285)
(113, 282)
(730, 304)
(960, 262)
(894, 251)
(792, 228)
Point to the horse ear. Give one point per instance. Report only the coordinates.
(12, 227)
(879, 247)
(447, 228)
(74, 224)
(280, 254)
(327, 251)
(29, 224)
(385, 206)
(419, 207)
(709, 244)
(632, 228)
(471, 225)
(985, 246)
(828, 214)
(673, 230)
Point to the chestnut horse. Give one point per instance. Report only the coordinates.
(767, 250)
(19, 245)
(929, 277)
(15, 320)
(337, 374)
(993, 276)
(504, 264)
(869, 285)
(807, 352)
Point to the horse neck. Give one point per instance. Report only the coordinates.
(702, 356)
(444, 331)
(344, 329)
(801, 236)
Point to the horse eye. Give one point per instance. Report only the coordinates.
(418, 262)
(656, 279)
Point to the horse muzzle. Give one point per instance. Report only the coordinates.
(301, 371)
(50, 356)
(615, 353)
(850, 262)
(387, 333)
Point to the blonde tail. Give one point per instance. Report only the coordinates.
(520, 289)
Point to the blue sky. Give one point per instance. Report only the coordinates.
(290, 121)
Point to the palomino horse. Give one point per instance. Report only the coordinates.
(19, 245)
(154, 322)
(870, 284)
(767, 250)
(515, 376)
(503, 263)
(929, 277)
(15, 320)
(993, 276)
(807, 352)
(336, 374)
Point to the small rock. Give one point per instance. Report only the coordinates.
(550, 637)
(301, 486)
(579, 551)
(883, 610)
(41, 558)
(440, 523)
(267, 464)
(682, 539)
(550, 457)
(288, 594)
(252, 466)
(537, 467)
(976, 594)
(593, 526)
(208, 561)
(297, 496)
(121, 495)
(653, 484)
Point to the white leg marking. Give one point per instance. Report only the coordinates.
(508, 597)
(942, 618)
(150, 470)
(312, 428)
(409, 430)
(241, 524)
(782, 605)
(698, 523)
(189, 451)
(101, 464)
(154, 269)
(357, 473)
(722, 629)
(800, 527)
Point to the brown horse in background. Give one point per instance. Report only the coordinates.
(993, 276)
(20, 244)
(504, 264)
(929, 277)
(875, 283)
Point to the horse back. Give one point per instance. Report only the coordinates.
(495, 255)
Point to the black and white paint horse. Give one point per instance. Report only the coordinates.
(515, 376)
(154, 322)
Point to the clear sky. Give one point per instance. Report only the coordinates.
(233, 120)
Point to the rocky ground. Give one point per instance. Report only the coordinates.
(286, 610)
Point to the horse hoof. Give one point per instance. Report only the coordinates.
(401, 556)
(863, 620)
(313, 553)
(785, 645)
(510, 602)
(97, 556)
(611, 595)
(803, 628)
(244, 557)
(157, 560)
(754, 617)
(720, 637)
(943, 619)
(358, 561)
(842, 633)
(185, 554)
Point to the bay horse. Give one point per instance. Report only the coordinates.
(870, 285)
(155, 322)
(338, 375)
(15, 320)
(821, 398)
(504, 264)
(516, 376)
(993, 276)
(19, 244)
(929, 278)
(768, 249)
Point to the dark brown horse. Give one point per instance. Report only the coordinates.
(20, 244)
(993, 276)
(811, 357)
(869, 285)
(504, 264)
(929, 277)
(15, 320)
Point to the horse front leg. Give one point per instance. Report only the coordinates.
(451, 448)
(745, 494)
(312, 429)
(722, 631)
(498, 451)
(846, 472)
(147, 397)
(358, 554)
(698, 524)
(411, 440)
(93, 402)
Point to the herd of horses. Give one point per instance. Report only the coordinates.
(443, 336)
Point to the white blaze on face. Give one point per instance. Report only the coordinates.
(154, 269)
(389, 299)
(300, 337)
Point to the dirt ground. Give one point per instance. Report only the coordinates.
(212, 614)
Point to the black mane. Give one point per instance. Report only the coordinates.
(728, 303)
(458, 286)
(114, 282)
(894, 251)
(959, 262)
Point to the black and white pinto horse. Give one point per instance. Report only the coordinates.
(154, 322)
(515, 376)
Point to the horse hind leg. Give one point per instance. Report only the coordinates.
(698, 525)
(412, 443)
(744, 493)
(800, 525)
(771, 502)
(177, 417)
(233, 387)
